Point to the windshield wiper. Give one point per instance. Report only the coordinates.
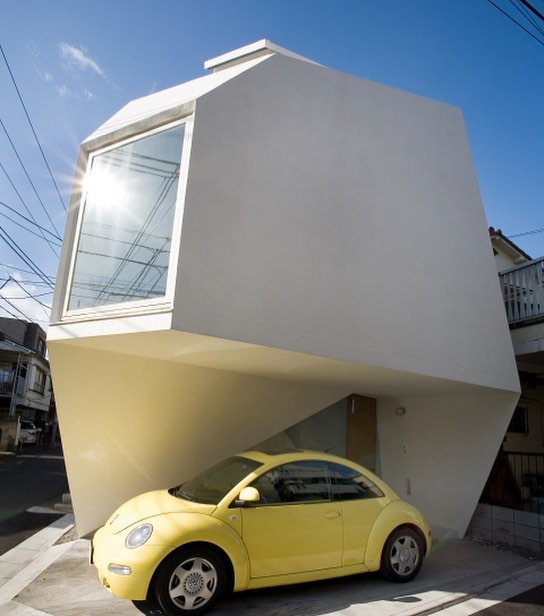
(179, 493)
(182, 494)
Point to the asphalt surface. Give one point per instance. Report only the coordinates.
(528, 603)
(31, 483)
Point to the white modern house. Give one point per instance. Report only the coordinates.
(271, 253)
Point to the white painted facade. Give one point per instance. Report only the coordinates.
(315, 254)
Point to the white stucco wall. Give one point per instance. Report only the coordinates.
(333, 241)
(439, 453)
(131, 424)
(339, 217)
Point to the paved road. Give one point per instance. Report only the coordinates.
(35, 477)
(529, 603)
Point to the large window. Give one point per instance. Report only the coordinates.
(125, 233)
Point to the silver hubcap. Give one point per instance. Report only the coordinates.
(193, 583)
(404, 555)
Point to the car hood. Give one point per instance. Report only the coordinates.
(144, 506)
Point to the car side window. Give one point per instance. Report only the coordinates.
(297, 482)
(349, 484)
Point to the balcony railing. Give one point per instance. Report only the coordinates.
(523, 292)
(516, 481)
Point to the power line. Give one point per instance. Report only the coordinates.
(24, 257)
(56, 243)
(27, 175)
(527, 15)
(32, 296)
(9, 266)
(32, 127)
(532, 9)
(15, 308)
(516, 22)
(56, 236)
(532, 232)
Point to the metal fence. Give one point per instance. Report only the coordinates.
(528, 472)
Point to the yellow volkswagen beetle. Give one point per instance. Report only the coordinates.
(255, 520)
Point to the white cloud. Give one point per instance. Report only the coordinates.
(77, 60)
(64, 91)
(29, 307)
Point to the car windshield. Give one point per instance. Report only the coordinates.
(214, 483)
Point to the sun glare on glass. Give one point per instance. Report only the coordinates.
(107, 188)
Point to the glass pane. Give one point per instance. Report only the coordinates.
(214, 483)
(348, 484)
(126, 233)
(294, 483)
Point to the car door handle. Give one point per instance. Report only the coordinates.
(332, 514)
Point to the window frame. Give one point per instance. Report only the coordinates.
(373, 487)
(294, 502)
(39, 380)
(141, 306)
(374, 490)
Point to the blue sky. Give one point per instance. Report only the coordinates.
(76, 63)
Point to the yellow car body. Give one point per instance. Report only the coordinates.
(267, 519)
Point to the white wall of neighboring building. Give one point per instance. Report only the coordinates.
(504, 261)
(319, 257)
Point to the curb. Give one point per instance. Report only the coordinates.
(484, 589)
(21, 565)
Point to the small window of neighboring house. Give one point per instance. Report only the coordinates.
(349, 484)
(41, 346)
(519, 424)
(39, 380)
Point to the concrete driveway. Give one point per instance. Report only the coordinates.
(459, 578)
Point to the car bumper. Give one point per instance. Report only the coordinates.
(127, 574)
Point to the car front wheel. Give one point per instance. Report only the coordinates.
(402, 555)
(190, 581)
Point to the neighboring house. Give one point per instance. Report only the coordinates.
(514, 493)
(25, 377)
(270, 253)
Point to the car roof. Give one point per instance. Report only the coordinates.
(281, 456)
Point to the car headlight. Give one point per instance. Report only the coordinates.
(138, 536)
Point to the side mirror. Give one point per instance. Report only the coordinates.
(247, 496)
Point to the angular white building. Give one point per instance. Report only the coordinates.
(280, 252)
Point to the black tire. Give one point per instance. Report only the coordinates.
(190, 581)
(402, 555)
